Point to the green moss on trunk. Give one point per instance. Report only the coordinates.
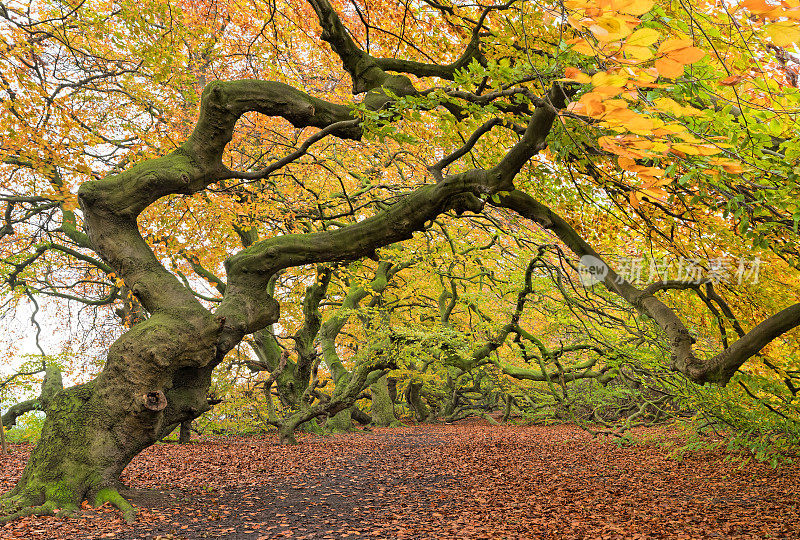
(341, 421)
(382, 404)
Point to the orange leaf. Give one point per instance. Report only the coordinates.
(757, 6)
(592, 104)
(674, 45)
(732, 80)
(687, 55)
(635, 7)
(669, 68)
(576, 75)
(655, 193)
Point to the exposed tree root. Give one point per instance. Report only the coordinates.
(20, 506)
(14, 506)
(112, 496)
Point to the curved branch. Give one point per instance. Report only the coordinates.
(363, 68)
(111, 205)
(718, 369)
(51, 385)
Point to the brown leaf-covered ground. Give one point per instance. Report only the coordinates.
(469, 480)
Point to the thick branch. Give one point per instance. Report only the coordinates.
(111, 205)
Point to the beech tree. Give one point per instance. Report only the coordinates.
(600, 86)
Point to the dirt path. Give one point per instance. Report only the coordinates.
(459, 481)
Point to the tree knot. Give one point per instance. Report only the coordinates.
(154, 401)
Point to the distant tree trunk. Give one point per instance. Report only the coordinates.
(3, 438)
(382, 403)
(415, 401)
(507, 411)
(360, 416)
(341, 421)
(185, 432)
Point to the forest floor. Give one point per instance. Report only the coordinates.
(468, 480)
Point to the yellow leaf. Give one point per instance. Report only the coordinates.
(643, 37)
(642, 144)
(608, 29)
(669, 68)
(688, 110)
(645, 76)
(612, 104)
(668, 106)
(729, 166)
(670, 128)
(608, 79)
(642, 125)
(688, 137)
(708, 150)
(660, 147)
(575, 23)
(599, 32)
(580, 45)
(608, 90)
(688, 149)
(638, 53)
(784, 33)
(634, 199)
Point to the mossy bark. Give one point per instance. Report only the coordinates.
(3, 445)
(382, 404)
(339, 422)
